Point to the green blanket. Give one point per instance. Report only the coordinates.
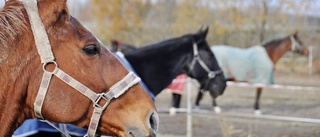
(252, 64)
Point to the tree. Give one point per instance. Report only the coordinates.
(190, 14)
(120, 19)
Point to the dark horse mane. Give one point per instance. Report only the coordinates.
(163, 46)
(273, 42)
(164, 54)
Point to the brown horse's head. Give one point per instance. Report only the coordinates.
(79, 54)
(297, 45)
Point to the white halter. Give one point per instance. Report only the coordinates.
(47, 57)
(196, 58)
(295, 44)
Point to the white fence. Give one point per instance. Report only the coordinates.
(189, 111)
(309, 60)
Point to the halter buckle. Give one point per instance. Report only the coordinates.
(101, 97)
(211, 74)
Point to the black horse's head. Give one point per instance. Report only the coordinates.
(203, 66)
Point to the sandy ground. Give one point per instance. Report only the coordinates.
(239, 100)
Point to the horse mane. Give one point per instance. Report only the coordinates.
(11, 22)
(163, 46)
(273, 42)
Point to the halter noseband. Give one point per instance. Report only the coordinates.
(196, 58)
(47, 57)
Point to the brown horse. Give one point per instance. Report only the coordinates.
(50, 83)
(255, 64)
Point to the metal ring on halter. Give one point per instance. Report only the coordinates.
(212, 74)
(47, 63)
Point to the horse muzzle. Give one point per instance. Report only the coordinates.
(218, 86)
(153, 123)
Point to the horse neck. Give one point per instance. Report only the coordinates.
(276, 51)
(15, 71)
(14, 107)
(17, 63)
(160, 68)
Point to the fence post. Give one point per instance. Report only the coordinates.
(310, 60)
(189, 107)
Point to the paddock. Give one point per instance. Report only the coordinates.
(290, 108)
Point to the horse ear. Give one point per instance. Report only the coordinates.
(295, 34)
(53, 11)
(203, 32)
(204, 28)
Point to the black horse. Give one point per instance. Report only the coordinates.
(158, 64)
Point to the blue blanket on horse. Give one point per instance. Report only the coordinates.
(125, 63)
(251, 64)
(33, 126)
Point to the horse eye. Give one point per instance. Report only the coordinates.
(91, 50)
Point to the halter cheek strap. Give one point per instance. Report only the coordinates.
(196, 58)
(47, 57)
(295, 44)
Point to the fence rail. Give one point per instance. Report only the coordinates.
(210, 113)
(274, 86)
(189, 111)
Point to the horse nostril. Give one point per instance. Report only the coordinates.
(154, 122)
